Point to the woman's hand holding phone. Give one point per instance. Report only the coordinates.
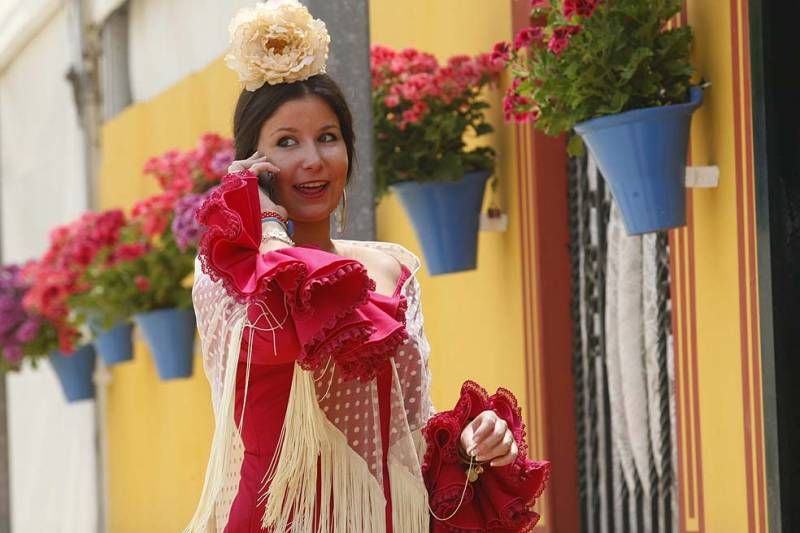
(266, 172)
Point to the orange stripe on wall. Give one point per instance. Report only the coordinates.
(749, 319)
(754, 307)
(684, 489)
(748, 313)
(697, 455)
(690, 461)
(534, 413)
(542, 179)
(690, 468)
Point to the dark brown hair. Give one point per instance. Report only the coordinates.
(255, 107)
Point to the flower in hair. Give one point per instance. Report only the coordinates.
(277, 41)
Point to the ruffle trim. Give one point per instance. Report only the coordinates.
(367, 361)
(227, 227)
(443, 434)
(313, 357)
(347, 337)
(356, 270)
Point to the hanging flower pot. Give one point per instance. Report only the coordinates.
(170, 335)
(642, 156)
(629, 105)
(446, 216)
(75, 372)
(115, 345)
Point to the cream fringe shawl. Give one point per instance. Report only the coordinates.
(307, 440)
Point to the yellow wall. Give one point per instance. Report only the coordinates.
(474, 319)
(159, 432)
(719, 398)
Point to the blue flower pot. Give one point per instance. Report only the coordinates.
(446, 216)
(115, 345)
(170, 335)
(75, 372)
(642, 156)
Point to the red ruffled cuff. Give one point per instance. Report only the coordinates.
(501, 498)
(325, 297)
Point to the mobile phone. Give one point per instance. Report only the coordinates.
(265, 181)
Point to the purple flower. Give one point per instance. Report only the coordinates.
(13, 354)
(185, 227)
(17, 326)
(221, 161)
(28, 330)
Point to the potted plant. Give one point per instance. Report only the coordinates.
(162, 274)
(25, 334)
(111, 296)
(195, 170)
(426, 117)
(620, 76)
(42, 323)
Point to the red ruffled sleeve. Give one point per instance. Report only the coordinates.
(501, 498)
(303, 303)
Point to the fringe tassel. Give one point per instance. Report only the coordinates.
(350, 498)
(409, 501)
(221, 445)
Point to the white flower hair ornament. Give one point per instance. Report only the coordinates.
(277, 41)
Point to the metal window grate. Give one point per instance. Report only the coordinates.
(608, 504)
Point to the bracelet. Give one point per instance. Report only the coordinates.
(274, 214)
(277, 221)
(278, 234)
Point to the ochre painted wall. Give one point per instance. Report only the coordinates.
(473, 319)
(159, 432)
(715, 301)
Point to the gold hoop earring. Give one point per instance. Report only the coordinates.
(341, 219)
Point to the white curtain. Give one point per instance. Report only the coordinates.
(632, 362)
(170, 39)
(52, 446)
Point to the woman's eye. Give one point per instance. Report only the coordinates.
(286, 142)
(327, 137)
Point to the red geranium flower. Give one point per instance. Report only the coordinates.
(527, 36)
(561, 36)
(501, 52)
(583, 8)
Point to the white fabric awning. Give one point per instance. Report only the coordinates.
(51, 444)
(170, 40)
(20, 21)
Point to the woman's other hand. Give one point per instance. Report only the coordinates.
(488, 438)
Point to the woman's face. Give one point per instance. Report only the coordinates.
(304, 140)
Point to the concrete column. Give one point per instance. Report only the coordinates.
(348, 64)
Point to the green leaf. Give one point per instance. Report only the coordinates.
(639, 55)
(575, 146)
(483, 128)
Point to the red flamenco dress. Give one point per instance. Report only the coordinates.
(313, 314)
(305, 306)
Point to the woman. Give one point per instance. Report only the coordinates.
(314, 347)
